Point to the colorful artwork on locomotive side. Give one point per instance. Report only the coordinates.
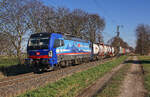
(74, 47)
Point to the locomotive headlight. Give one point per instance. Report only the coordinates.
(50, 53)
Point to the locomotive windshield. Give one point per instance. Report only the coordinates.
(38, 41)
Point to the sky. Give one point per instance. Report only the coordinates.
(128, 13)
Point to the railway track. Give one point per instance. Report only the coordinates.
(7, 79)
(13, 86)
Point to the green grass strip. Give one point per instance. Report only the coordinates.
(145, 61)
(70, 86)
(113, 87)
(7, 61)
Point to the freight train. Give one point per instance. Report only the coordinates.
(50, 50)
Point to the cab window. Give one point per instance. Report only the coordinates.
(58, 43)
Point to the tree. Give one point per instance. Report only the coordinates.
(61, 20)
(143, 39)
(95, 25)
(117, 41)
(77, 23)
(14, 23)
(78, 19)
(6, 47)
(42, 18)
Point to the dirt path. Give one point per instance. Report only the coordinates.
(133, 83)
(95, 88)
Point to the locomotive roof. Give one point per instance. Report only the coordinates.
(74, 38)
(67, 37)
(40, 34)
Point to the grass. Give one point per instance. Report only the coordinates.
(145, 61)
(112, 88)
(9, 66)
(8, 61)
(72, 85)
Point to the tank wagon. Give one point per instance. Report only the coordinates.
(101, 50)
(49, 50)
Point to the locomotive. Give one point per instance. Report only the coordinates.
(50, 50)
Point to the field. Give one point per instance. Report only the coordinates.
(8, 61)
(72, 85)
(145, 61)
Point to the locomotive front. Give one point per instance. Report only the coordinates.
(38, 50)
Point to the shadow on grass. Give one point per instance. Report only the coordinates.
(138, 61)
(15, 70)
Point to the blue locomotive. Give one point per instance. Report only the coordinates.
(49, 50)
